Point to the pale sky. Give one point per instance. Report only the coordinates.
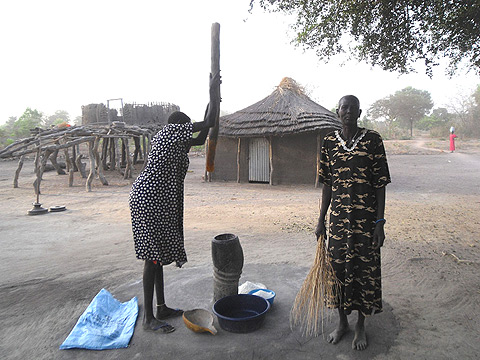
(60, 55)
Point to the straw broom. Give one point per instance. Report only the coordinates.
(316, 294)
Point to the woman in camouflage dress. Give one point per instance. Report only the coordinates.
(354, 173)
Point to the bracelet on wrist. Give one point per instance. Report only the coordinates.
(380, 220)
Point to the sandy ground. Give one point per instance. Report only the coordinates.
(51, 266)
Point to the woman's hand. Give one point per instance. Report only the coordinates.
(320, 230)
(378, 235)
(215, 81)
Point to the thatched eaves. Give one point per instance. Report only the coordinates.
(287, 110)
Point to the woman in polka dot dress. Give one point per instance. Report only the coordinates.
(156, 205)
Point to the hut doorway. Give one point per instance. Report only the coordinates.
(258, 160)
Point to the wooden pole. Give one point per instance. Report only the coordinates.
(53, 160)
(104, 153)
(17, 172)
(215, 69)
(238, 159)
(91, 175)
(270, 158)
(69, 167)
(128, 166)
(318, 160)
(98, 161)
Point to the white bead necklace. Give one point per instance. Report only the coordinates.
(343, 143)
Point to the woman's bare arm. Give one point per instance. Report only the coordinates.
(213, 108)
(324, 205)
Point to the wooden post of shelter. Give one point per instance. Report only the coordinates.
(40, 167)
(70, 169)
(270, 158)
(238, 159)
(118, 161)
(74, 158)
(17, 172)
(80, 165)
(91, 175)
(53, 160)
(144, 151)
(215, 69)
(98, 161)
(128, 161)
(319, 140)
(104, 153)
(112, 153)
(136, 152)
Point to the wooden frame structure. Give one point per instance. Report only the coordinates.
(114, 154)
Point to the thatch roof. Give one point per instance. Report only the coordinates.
(287, 110)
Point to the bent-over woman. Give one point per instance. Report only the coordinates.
(156, 205)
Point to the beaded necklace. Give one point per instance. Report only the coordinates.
(343, 143)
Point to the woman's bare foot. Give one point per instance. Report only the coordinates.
(157, 325)
(336, 335)
(164, 312)
(360, 339)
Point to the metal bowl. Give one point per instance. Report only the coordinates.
(241, 313)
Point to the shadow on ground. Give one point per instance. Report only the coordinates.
(190, 288)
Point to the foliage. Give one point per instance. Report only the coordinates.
(404, 108)
(30, 119)
(60, 116)
(388, 130)
(438, 123)
(391, 34)
(15, 129)
(476, 96)
(6, 130)
(467, 115)
(440, 117)
(78, 120)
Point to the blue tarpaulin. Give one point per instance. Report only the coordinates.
(105, 324)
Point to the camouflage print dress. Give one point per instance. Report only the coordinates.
(354, 172)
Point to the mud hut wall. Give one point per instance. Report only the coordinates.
(242, 168)
(294, 159)
(226, 160)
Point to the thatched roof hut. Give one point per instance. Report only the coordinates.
(276, 140)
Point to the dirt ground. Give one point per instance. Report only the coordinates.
(52, 265)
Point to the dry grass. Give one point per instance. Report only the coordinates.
(316, 294)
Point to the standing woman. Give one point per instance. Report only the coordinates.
(354, 173)
(156, 205)
(452, 139)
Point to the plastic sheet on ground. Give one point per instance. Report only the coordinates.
(105, 324)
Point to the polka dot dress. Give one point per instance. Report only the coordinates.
(156, 198)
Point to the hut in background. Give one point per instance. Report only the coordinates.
(276, 140)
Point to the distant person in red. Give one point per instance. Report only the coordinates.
(452, 139)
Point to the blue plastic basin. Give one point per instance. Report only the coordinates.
(270, 298)
(241, 313)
